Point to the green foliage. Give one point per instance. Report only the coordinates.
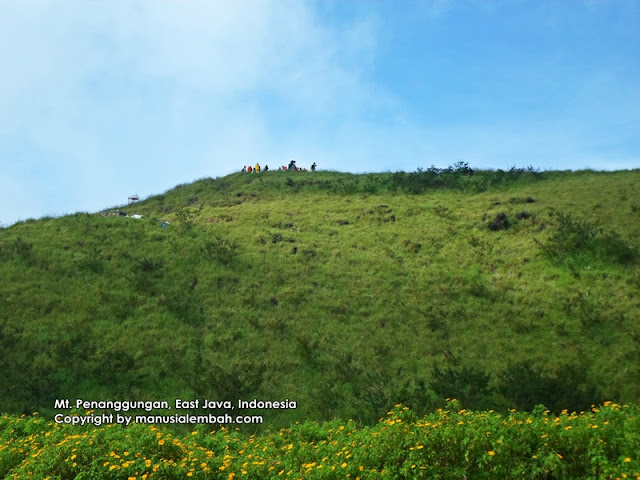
(18, 248)
(343, 293)
(448, 443)
(220, 249)
(469, 385)
(187, 217)
(22, 248)
(579, 240)
(459, 176)
(527, 386)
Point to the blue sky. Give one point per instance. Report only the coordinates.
(100, 99)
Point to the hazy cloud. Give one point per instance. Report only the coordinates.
(103, 92)
(100, 99)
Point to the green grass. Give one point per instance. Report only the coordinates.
(398, 292)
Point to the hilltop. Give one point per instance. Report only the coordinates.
(345, 293)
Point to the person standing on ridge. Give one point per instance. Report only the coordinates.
(257, 169)
(249, 169)
(313, 167)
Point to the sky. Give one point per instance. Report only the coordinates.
(102, 99)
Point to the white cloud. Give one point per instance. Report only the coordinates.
(103, 98)
(109, 94)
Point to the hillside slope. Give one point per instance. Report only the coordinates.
(345, 293)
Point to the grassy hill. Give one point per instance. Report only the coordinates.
(345, 293)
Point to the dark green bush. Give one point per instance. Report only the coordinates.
(524, 387)
(22, 248)
(578, 240)
(220, 249)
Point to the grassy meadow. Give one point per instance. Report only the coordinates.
(348, 294)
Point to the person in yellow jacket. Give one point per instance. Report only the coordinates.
(257, 169)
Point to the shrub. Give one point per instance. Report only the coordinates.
(220, 249)
(448, 443)
(525, 386)
(576, 239)
(468, 385)
(187, 217)
(22, 248)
